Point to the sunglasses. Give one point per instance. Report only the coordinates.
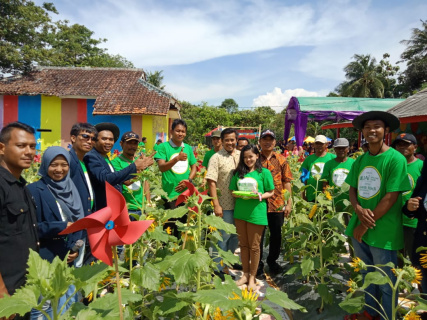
(87, 137)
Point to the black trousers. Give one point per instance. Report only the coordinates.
(275, 223)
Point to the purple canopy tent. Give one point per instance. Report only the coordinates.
(303, 109)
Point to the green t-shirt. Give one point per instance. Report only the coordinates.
(252, 210)
(336, 173)
(180, 171)
(414, 171)
(308, 164)
(133, 192)
(208, 156)
(373, 177)
(155, 147)
(142, 146)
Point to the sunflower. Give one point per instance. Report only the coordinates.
(413, 275)
(357, 264)
(352, 286)
(328, 195)
(249, 295)
(168, 230)
(166, 281)
(411, 315)
(211, 229)
(423, 260)
(312, 211)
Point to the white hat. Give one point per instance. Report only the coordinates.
(321, 138)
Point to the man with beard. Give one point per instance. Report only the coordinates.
(100, 168)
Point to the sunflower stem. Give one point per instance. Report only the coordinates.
(119, 292)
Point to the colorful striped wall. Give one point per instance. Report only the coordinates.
(54, 117)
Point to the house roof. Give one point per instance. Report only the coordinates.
(116, 90)
(413, 106)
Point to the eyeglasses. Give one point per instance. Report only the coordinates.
(87, 137)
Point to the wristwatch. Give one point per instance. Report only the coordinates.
(191, 180)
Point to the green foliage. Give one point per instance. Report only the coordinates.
(29, 37)
(230, 105)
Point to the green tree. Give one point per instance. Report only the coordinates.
(156, 79)
(230, 105)
(415, 56)
(29, 37)
(364, 78)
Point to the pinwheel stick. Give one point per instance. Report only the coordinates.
(119, 291)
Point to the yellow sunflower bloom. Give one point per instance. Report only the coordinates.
(328, 195)
(249, 295)
(356, 264)
(168, 230)
(312, 211)
(423, 260)
(412, 274)
(411, 315)
(352, 286)
(212, 229)
(166, 281)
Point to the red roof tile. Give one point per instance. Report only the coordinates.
(116, 90)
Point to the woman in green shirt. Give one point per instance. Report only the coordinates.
(250, 211)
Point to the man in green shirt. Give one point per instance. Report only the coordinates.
(132, 189)
(312, 167)
(142, 144)
(216, 146)
(377, 180)
(336, 170)
(177, 163)
(406, 144)
(157, 144)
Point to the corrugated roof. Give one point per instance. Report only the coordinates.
(413, 106)
(116, 90)
(345, 104)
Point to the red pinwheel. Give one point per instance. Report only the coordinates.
(109, 226)
(191, 189)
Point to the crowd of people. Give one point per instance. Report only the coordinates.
(247, 183)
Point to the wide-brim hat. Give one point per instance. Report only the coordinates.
(390, 120)
(110, 127)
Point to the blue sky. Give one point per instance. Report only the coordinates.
(256, 52)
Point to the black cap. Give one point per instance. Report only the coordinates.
(110, 127)
(407, 137)
(267, 132)
(128, 136)
(390, 120)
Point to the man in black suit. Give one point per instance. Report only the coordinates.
(99, 166)
(82, 136)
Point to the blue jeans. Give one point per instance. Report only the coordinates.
(372, 255)
(229, 242)
(47, 307)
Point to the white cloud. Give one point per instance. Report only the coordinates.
(278, 99)
(154, 34)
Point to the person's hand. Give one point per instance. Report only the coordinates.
(359, 231)
(366, 217)
(413, 204)
(287, 210)
(72, 256)
(218, 211)
(144, 162)
(182, 156)
(181, 186)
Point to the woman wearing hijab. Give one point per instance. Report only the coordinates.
(58, 206)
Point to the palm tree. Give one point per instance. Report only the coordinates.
(156, 79)
(364, 78)
(417, 45)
